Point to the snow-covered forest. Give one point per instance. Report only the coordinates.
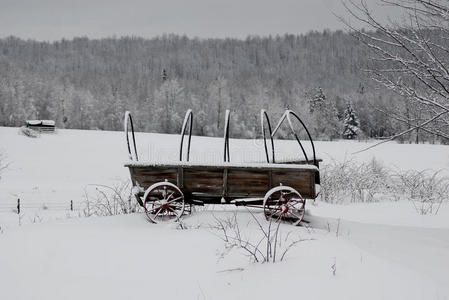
(88, 84)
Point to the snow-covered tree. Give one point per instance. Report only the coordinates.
(219, 101)
(325, 123)
(351, 123)
(318, 101)
(167, 100)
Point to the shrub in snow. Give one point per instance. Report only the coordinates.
(266, 244)
(103, 200)
(425, 189)
(350, 181)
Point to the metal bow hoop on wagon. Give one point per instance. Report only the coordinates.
(287, 115)
(129, 120)
(188, 122)
(188, 117)
(226, 137)
(263, 117)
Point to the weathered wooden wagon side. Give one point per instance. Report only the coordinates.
(225, 182)
(166, 190)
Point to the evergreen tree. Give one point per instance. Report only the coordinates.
(351, 123)
(318, 101)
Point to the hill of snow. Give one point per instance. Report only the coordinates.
(360, 251)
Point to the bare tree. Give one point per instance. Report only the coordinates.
(410, 57)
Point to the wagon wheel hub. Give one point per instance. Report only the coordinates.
(283, 209)
(164, 204)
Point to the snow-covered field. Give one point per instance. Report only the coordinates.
(360, 251)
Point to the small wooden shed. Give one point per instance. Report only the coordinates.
(41, 125)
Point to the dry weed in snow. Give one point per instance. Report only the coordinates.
(425, 189)
(104, 200)
(261, 243)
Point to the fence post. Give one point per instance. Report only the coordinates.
(18, 206)
(71, 205)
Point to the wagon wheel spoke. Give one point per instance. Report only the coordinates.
(296, 200)
(154, 209)
(174, 200)
(295, 215)
(293, 205)
(165, 192)
(174, 211)
(278, 218)
(171, 195)
(176, 205)
(298, 214)
(178, 208)
(273, 202)
(155, 216)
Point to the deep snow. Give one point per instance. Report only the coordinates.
(380, 250)
(124, 257)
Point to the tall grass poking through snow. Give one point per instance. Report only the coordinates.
(104, 200)
(265, 243)
(350, 181)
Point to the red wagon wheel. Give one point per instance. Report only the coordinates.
(284, 203)
(163, 201)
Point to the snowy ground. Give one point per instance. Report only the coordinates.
(377, 251)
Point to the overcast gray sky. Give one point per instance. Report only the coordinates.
(55, 19)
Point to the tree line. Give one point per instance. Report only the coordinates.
(89, 84)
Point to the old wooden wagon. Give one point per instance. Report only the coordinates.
(166, 191)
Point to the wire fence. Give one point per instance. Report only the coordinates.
(20, 206)
(101, 200)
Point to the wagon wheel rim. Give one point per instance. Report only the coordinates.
(284, 205)
(164, 202)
